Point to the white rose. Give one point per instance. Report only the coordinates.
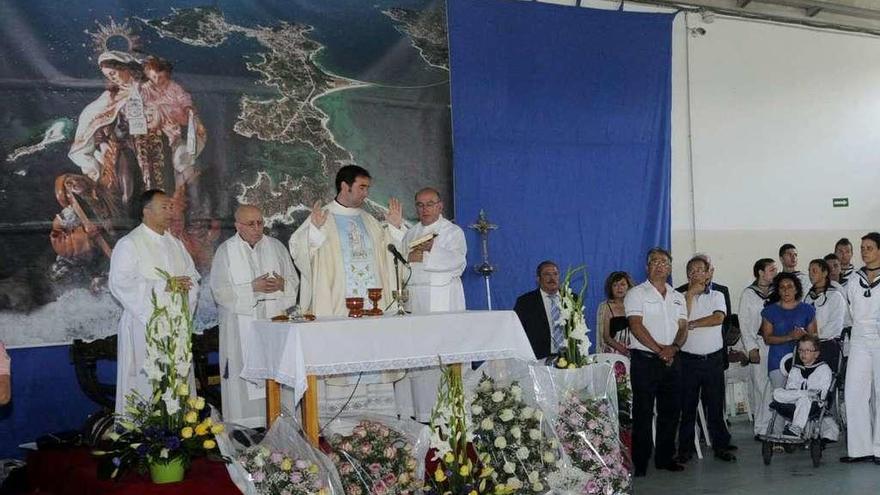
(509, 467)
(477, 409)
(487, 424)
(534, 434)
(539, 415)
(549, 457)
(537, 487)
(506, 415)
(514, 483)
(526, 413)
(533, 477)
(516, 433)
(485, 386)
(498, 396)
(500, 442)
(516, 392)
(522, 453)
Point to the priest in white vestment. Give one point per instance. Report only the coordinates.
(341, 251)
(134, 278)
(252, 277)
(436, 251)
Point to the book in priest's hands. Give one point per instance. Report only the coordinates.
(421, 240)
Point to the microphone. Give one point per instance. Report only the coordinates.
(399, 257)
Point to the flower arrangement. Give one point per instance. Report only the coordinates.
(576, 351)
(171, 425)
(375, 460)
(276, 473)
(624, 403)
(520, 453)
(589, 436)
(455, 466)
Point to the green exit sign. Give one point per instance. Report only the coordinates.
(840, 202)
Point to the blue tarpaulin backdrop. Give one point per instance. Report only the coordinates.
(561, 132)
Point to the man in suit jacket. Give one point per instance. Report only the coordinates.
(534, 309)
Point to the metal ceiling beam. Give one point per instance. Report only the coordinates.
(827, 7)
(741, 4)
(812, 11)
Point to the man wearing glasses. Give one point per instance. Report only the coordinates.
(657, 316)
(252, 277)
(435, 249)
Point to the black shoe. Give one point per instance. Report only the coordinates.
(758, 439)
(672, 466)
(851, 460)
(725, 455)
(730, 448)
(877, 460)
(683, 458)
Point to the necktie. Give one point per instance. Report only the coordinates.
(555, 328)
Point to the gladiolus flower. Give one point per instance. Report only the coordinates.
(464, 470)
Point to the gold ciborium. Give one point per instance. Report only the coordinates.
(355, 306)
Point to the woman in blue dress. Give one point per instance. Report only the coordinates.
(784, 320)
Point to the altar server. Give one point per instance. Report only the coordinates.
(435, 249)
(133, 280)
(831, 310)
(252, 277)
(863, 368)
(788, 256)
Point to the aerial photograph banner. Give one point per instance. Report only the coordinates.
(256, 102)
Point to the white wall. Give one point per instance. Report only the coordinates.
(770, 122)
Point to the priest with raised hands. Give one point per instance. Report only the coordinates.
(341, 251)
(252, 277)
(134, 278)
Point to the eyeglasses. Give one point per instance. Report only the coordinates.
(429, 204)
(659, 263)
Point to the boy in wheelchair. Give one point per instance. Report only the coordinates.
(804, 396)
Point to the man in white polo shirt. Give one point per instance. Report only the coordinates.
(657, 317)
(702, 364)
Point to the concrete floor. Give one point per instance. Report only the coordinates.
(787, 473)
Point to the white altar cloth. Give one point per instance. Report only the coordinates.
(287, 352)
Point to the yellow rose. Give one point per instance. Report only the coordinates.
(439, 475)
(449, 457)
(209, 444)
(572, 366)
(192, 401)
(464, 470)
(208, 422)
(201, 430)
(286, 464)
(473, 492)
(183, 390)
(186, 432)
(217, 429)
(562, 363)
(313, 468)
(200, 403)
(191, 417)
